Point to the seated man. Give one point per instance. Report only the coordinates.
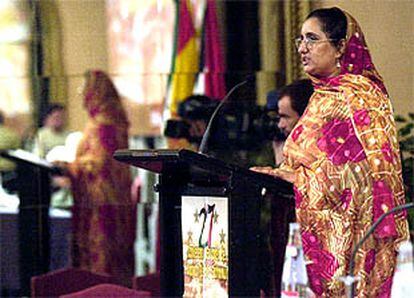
(49, 136)
(53, 132)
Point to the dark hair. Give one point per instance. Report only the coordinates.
(333, 21)
(52, 108)
(299, 92)
(1, 118)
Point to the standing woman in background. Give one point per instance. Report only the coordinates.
(343, 158)
(103, 214)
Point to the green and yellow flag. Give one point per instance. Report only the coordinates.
(186, 60)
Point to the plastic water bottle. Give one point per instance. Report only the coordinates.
(294, 276)
(403, 281)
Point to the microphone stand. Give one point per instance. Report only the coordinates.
(203, 145)
(350, 279)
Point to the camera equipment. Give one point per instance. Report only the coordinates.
(241, 125)
(177, 129)
(206, 135)
(244, 126)
(195, 107)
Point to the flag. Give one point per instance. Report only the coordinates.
(186, 60)
(214, 66)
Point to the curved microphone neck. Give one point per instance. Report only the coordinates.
(369, 232)
(203, 145)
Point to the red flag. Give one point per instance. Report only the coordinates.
(213, 54)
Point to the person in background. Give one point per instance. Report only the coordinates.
(344, 161)
(103, 212)
(8, 140)
(288, 103)
(51, 135)
(53, 132)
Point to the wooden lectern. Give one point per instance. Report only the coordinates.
(186, 174)
(33, 179)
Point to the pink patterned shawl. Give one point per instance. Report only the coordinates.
(103, 213)
(345, 156)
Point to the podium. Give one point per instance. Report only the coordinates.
(33, 179)
(186, 176)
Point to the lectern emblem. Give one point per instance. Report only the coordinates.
(205, 246)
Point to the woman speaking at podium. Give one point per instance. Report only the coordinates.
(343, 158)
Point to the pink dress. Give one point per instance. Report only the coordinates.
(345, 156)
(103, 212)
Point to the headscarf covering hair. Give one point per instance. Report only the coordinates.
(103, 212)
(355, 60)
(102, 100)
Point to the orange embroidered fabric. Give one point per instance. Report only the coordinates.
(103, 213)
(345, 156)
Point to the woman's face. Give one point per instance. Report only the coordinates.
(318, 56)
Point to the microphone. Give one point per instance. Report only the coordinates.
(203, 145)
(369, 232)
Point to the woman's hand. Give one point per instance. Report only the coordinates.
(286, 175)
(61, 181)
(263, 170)
(279, 173)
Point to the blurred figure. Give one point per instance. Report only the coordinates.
(286, 105)
(290, 102)
(8, 140)
(49, 137)
(53, 132)
(103, 213)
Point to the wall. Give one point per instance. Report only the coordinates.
(387, 25)
(389, 31)
(84, 47)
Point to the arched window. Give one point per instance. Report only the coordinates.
(140, 38)
(14, 57)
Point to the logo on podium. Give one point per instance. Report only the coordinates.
(205, 246)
